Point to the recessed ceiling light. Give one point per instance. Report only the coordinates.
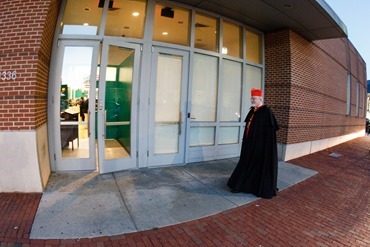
(165, 33)
(85, 24)
(135, 14)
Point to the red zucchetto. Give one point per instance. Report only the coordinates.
(256, 92)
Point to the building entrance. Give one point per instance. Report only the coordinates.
(168, 109)
(94, 118)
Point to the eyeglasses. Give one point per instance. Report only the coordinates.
(254, 98)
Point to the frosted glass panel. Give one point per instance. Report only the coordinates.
(167, 103)
(166, 139)
(204, 88)
(254, 80)
(229, 135)
(168, 88)
(202, 136)
(231, 91)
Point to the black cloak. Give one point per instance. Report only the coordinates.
(256, 171)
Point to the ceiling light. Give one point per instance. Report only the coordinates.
(135, 14)
(85, 24)
(165, 33)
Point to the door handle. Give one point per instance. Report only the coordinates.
(88, 124)
(180, 123)
(105, 123)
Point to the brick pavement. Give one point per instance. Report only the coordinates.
(331, 208)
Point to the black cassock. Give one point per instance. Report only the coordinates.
(256, 171)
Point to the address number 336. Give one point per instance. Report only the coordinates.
(8, 75)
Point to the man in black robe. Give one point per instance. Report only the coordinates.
(256, 171)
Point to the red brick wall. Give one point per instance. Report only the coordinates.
(306, 86)
(277, 89)
(26, 31)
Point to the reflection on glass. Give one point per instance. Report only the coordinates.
(229, 135)
(125, 18)
(206, 32)
(74, 102)
(232, 42)
(231, 91)
(81, 17)
(202, 136)
(118, 96)
(253, 80)
(254, 47)
(204, 88)
(171, 24)
(167, 104)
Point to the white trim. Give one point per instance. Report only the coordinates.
(296, 150)
(20, 169)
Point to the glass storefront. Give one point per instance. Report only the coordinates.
(176, 95)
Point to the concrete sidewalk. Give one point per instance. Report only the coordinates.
(331, 208)
(87, 205)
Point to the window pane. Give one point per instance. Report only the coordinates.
(125, 18)
(364, 102)
(253, 80)
(254, 47)
(206, 33)
(74, 103)
(118, 96)
(202, 136)
(231, 40)
(357, 98)
(204, 88)
(81, 17)
(229, 135)
(171, 24)
(348, 111)
(231, 91)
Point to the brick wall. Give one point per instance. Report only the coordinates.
(306, 86)
(26, 31)
(277, 80)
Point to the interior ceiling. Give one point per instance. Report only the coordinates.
(312, 19)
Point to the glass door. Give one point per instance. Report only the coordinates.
(72, 118)
(116, 106)
(167, 113)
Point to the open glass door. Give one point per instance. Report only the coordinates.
(73, 123)
(117, 106)
(167, 107)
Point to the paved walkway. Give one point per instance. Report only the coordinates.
(331, 208)
(88, 205)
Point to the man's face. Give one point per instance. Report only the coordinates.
(256, 101)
